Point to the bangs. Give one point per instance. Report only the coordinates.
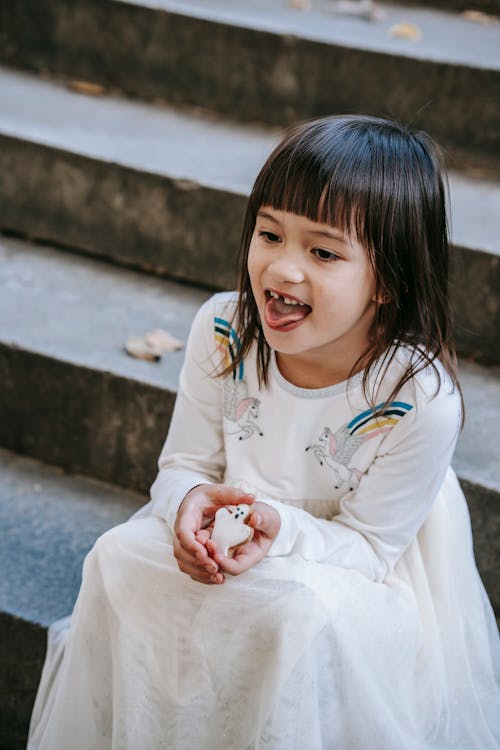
(322, 178)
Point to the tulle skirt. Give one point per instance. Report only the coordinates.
(292, 655)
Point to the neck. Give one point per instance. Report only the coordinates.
(310, 374)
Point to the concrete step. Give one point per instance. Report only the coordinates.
(258, 61)
(488, 7)
(70, 395)
(165, 190)
(49, 522)
(157, 188)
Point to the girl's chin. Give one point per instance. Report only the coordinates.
(285, 344)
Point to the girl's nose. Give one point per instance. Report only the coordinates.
(287, 267)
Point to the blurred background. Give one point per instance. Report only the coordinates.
(130, 135)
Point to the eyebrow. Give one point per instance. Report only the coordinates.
(331, 235)
(320, 232)
(265, 215)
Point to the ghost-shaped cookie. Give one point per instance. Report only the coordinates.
(231, 528)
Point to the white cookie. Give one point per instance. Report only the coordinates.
(231, 529)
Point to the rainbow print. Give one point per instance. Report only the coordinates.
(228, 344)
(368, 426)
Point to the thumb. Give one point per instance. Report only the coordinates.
(265, 520)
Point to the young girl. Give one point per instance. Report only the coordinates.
(324, 394)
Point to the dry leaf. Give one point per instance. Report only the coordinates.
(137, 347)
(163, 341)
(152, 345)
(477, 16)
(368, 9)
(405, 31)
(87, 87)
(300, 4)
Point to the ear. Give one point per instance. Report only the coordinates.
(381, 297)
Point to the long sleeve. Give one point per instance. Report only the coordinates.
(378, 520)
(193, 452)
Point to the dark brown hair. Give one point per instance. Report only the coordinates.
(384, 185)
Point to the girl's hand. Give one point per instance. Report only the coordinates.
(266, 523)
(196, 511)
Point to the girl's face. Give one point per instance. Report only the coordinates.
(315, 292)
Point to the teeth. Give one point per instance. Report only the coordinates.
(286, 300)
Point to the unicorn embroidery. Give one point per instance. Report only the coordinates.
(336, 449)
(238, 407)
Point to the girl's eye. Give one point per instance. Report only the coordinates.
(269, 236)
(324, 255)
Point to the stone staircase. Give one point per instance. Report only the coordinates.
(121, 212)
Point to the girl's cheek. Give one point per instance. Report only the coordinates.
(250, 258)
(252, 267)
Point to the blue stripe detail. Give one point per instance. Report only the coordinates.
(228, 331)
(224, 327)
(395, 407)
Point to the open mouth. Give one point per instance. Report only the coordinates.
(283, 311)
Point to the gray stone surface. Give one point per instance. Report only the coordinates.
(255, 60)
(164, 191)
(484, 508)
(49, 521)
(134, 218)
(83, 311)
(82, 419)
(180, 143)
(477, 456)
(69, 393)
(475, 299)
(486, 6)
(445, 37)
(190, 148)
(22, 651)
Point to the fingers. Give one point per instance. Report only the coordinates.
(203, 573)
(203, 536)
(224, 494)
(189, 545)
(245, 557)
(265, 521)
(188, 521)
(198, 507)
(191, 539)
(256, 521)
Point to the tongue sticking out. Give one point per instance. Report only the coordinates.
(279, 313)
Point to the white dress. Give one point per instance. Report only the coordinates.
(366, 627)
